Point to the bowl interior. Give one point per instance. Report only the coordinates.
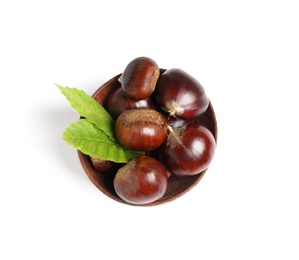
(177, 186)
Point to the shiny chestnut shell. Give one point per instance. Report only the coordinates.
(118, 103)
(104, 166)
(139, 78)
(141, 181)
(188, 150)
(180, 94)
(177, 186)
(140, 129)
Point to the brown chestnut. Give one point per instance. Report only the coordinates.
(140, 129)
(118, 103)
(104, 166)
(180, 94)
(139, 78)
(141, 181)
(189, 150)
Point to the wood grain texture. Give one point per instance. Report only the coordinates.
(177, 186)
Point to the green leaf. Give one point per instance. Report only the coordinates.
(89, 108)
(89, 139)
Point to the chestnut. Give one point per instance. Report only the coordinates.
(104, 166)
(188, 150)
(139, 78)
(118, 103)
(181, 95)
(140, 129)
(141, 181)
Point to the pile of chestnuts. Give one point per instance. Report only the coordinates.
(156, 112)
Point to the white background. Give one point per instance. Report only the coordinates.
(245, 54)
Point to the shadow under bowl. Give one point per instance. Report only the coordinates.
(177, 186)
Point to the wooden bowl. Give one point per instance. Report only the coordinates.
(177, 186)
